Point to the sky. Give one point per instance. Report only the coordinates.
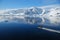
(9, 4)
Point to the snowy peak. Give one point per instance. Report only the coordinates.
(33, 10)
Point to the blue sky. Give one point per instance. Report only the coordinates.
(8, 4)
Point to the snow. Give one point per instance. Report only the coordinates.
(51, 13)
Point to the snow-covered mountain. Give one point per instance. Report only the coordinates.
(50, 13)
(27, 11)
(33, 11)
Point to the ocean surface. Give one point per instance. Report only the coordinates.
(22, 31)
(28, 29)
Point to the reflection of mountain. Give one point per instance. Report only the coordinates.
(32, 20)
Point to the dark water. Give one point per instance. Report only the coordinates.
(21, 31)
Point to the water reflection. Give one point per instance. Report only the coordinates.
(50, 20)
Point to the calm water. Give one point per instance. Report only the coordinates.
(27, 29)
(18, 31)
